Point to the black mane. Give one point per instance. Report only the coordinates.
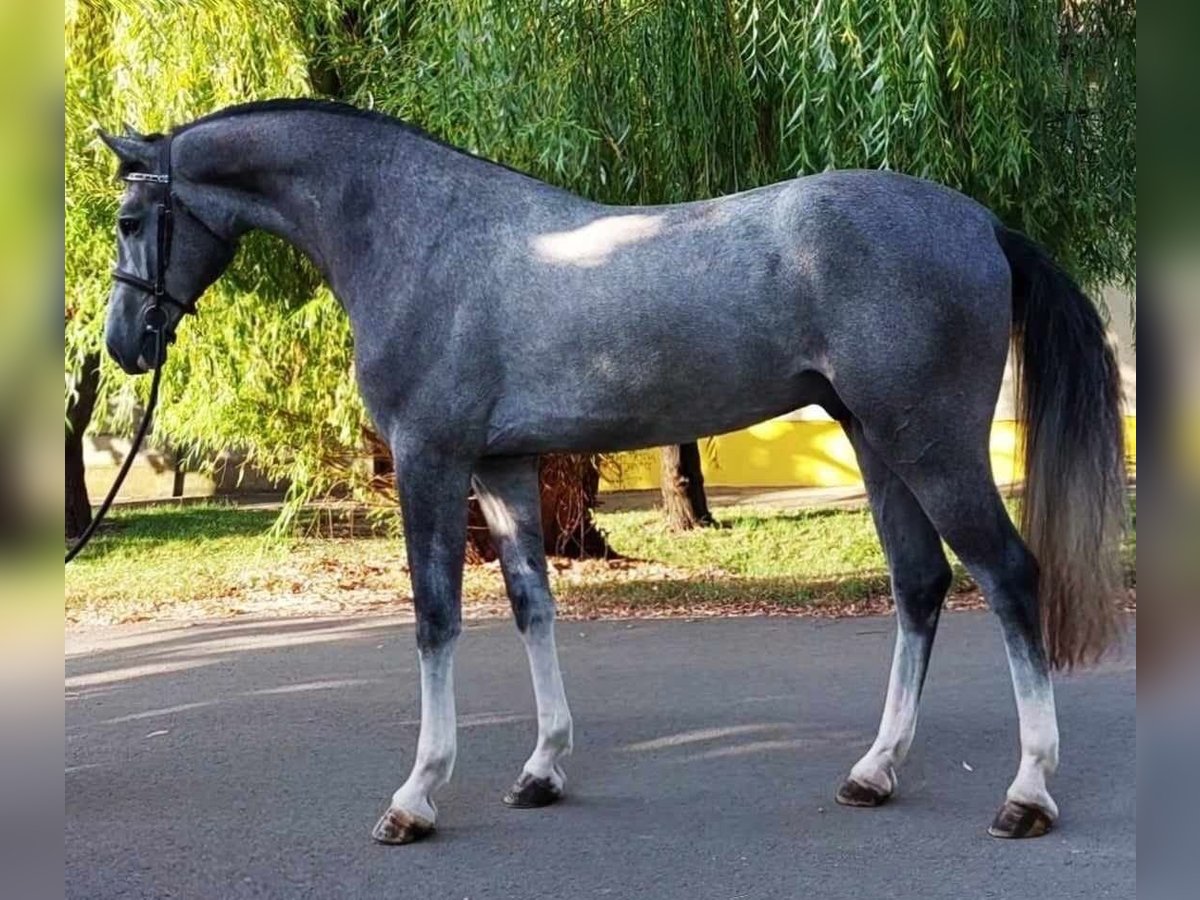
(297, 104)
(330, 107)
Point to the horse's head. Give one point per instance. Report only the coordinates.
(167, 255)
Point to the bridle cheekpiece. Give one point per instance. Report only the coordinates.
(156, 286)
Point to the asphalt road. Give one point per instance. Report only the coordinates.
(251, 760)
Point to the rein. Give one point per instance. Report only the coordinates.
(154, 317)
(159, 352)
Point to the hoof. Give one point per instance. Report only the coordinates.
(531, 793)
(398, 827)
(855, 793)
(1019, 820)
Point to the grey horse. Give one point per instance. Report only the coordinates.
(496, 317)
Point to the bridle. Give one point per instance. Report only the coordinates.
(155, 317)
(165, 215)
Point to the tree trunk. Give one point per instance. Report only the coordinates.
(569, 485)
(79, 414)
(684, 502)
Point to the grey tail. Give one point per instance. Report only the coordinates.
(1069, 403)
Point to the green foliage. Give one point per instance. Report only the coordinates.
(1027, 105)
(153, 63)
(267, 368)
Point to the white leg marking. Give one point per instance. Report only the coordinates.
(555, 739)
(437, 745)
(529, 589)
(1039, 738)
(877, 768)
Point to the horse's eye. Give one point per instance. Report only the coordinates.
(129, 225)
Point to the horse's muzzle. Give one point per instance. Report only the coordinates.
(128, 366)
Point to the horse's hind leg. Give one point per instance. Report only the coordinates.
(920, 579)
(948, 471)
(509, 497)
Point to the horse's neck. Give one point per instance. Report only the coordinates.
(291, 175)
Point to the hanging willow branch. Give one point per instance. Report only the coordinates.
(1027, 105)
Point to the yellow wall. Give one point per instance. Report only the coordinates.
(805, 453)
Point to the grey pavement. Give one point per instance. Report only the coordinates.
(251, 759)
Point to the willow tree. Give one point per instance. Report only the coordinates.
(1027, 105)
(156, 63)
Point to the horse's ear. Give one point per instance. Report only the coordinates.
(131, 151)
(131, 132)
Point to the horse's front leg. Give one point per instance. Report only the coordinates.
(511, 502)
(433, 498)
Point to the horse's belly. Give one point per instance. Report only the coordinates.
(614, 417)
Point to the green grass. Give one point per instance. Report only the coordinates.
(172, 559)
(214, 559)
(192, 550)
(753, 543)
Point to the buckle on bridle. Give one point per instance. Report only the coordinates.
(155, 318)
(147, 176)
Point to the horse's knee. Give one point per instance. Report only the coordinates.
(438, 625)
(535, 620)
(928, 582)
(920, 590)
(532, 606)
